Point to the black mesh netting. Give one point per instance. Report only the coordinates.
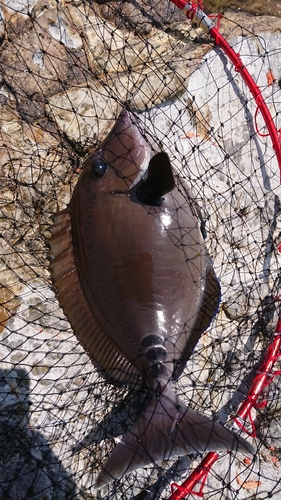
(67, 69)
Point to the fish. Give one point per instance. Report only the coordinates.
(134, 278)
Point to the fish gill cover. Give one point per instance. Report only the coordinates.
(67, 70)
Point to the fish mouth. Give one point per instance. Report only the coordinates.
(127, 118)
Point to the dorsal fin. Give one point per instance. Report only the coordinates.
(77, 308)
(159, 180)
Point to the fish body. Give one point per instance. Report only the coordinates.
(136, 282)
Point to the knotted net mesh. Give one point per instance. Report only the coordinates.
(67, 69)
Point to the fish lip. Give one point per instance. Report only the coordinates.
(125, 117)
(128, 118)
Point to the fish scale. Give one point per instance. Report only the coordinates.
(136, 283)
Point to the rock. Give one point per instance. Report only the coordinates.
(142, 17)
(8, 306)
(83, 114)
(62, 36)
(24, 449)
(271, 8)
(18, 7)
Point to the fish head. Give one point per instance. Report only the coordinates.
(121, 160)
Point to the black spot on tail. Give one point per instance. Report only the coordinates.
(152, 340)
(156, 353)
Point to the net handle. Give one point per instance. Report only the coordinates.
(194, 12)
(262, 379)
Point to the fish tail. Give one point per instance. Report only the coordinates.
(165, 429)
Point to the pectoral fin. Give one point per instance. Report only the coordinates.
(159, 180)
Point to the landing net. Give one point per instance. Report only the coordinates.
(67, 69)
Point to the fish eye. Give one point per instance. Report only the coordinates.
(98, 167)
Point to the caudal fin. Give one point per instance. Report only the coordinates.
(167, 428)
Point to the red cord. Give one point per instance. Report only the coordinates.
(192, 10)
(179, 492)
